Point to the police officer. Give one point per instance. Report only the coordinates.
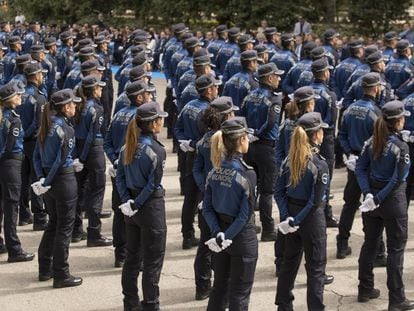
(31, 111)
(262, 54)
(357, 126)
(272, 40)
(300, 189)
(381, 172)
(51, 49)
(9, 61)
(188, 131)
(262, 108)
(330, 37)
(326, 106)
(141, 59)
(390, 41)
(32, 36)
(4, 32)
(138, 93)
(345, 69)
(18, 76)
(227, 50)
(3, 50)
(89, 150)
(399, 68)
(243, 82)
(286, 57)
(220, 110)
(306, 77)
(137, 73)
(408, 136)
(228, 209)
(233, 65)
(11, 156)
(291, 81)
(38, 53)
(55, 171)
(215, 45)
(64, 57)
(138, 179)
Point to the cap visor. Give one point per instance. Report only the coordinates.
(44, 71)
(100, 68)
(163, 114)
(324, 125)
(316, 96)
(250, 131)
(407, 113)
(235, 108)
(101, 83)
(279, 72)
(76, 99)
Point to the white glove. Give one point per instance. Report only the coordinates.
(286, 228)
(213, 246)
(368, 205)
(200, 206)
(339, 104)
(252, 138)
(38, 187)
(169, 84)
(58, 75)
(111, 171)
(405, 134)
(126, 208)
(77, 165)
(226, 243)
(350, 162)
(185, 145)
(173, 93)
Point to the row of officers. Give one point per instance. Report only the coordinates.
(206, 125)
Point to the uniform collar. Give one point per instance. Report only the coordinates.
(368, 97)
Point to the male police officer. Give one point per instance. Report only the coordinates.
(399, 68)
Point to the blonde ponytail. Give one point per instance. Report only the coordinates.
(299, 155)
(131, 140)
(217, 148)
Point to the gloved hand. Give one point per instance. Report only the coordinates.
(116, 164)
(339, 104)
(38, 187)
(58, 75)
(252, 138)
(200, 205)
(405, 134)
(169, 84)
(185, 145)
(174, 94)
(350, 162)
(222, 241)
(111, 171)
(286, 228)
(126, 208)
(77, 165)
(368, 205)
(213, 246)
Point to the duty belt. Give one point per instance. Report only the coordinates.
(62, 170)
(159, 193)
(230, 219)
(13, 156)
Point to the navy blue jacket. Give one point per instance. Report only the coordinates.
(214, 47)
(326, 104)
(331, 54)
(115, 135)
(358, 124)
(262, 108)
(388, 54)
(310, 190)
(202, 162)
(9, 61)
(89, 127)
(189, 93)
(342, 73)
(409, 121)
(57, 150)
(227, 50)
(239, 86)
(188, 77)
(169, 52)
(230, 190)
(144, 173)
(11, 134)
(291, 82)
(284, 60)
(391, 168)
(398, 70)
(283, 144)
(233, 66)
(64, 58)
(183, 66)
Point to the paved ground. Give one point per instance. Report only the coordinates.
(101, 290)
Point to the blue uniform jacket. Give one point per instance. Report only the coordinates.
(398, 70)
(144, 173)
(64, 58)
(342, 73)
(187, 125)
(175, 60)
(188, 77)
(326, 104)
(230, 190)
(169, 52)
(358, 124)
(11, 134)
(214, 47)
(57, 150)
(284, 60)
(391, 168)
(291, 82)
(73, 78)
(239, 86)
(311, 188)
(233, 66)
(189, 93)
(9, 61)
(30, 39)
(409, 121)
(202, 163)
(262, 108)
(227, 50)
(388, 54)
(89, 127)
(183, 66)
(115, 135)
(283, 144)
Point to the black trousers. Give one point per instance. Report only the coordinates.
(191, 196)
(263, 159)
(310, 239)
(169, 107)
(391, 214)
(29, 177)
(91, 191)
(410, 178)
(146, 233)
(118, 225)
(328, 152)
(11, 182)
(107, 100)
(60, 203)
(202, 262)
(234, 270)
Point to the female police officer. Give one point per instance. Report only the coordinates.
(299, 191)
(138, 180)
(54, 167)
(219, 110)
(89, 146)
(11, 157)
(381, 172)
(228, 210)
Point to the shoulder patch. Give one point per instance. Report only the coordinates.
(407, 158)
(324, 178)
